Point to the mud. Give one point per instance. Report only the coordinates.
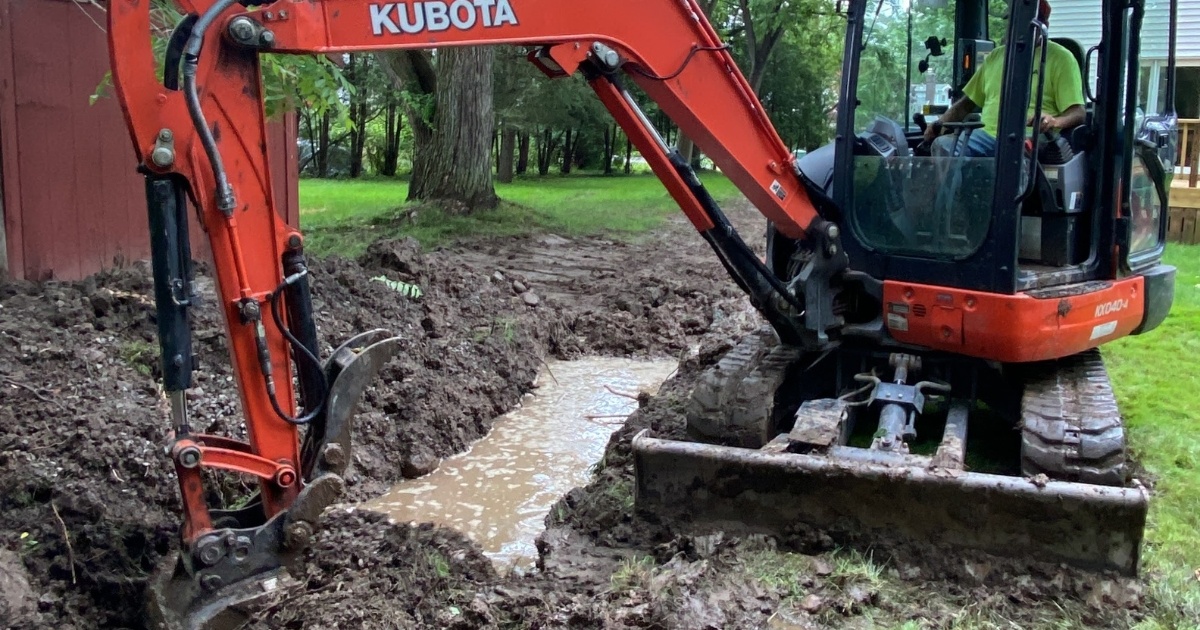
(87, 501)
(499, 491)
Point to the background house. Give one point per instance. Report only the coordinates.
(72, 203)
(1081, 21)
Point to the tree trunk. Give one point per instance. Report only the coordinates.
(628, 155)
(496, 149)
(568, 152)
(610, 138)
(323, 147)
(508, 141)
(307, 119)
(391, 140)
(455, 164)
(546, 151)
(523, 154)
(358, 114)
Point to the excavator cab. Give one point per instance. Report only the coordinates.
(1043, 209)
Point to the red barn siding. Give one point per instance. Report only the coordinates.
(73, 203)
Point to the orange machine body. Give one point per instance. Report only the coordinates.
(1024, 327)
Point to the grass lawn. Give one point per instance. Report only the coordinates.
(346, 216)
(1157, 380)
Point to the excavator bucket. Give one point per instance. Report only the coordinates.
(732, 475)
(244, 560)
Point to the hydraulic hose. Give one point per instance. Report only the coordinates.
(191, 59)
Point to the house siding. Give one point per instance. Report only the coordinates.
(1081, 21)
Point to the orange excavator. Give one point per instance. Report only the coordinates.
(908, 297)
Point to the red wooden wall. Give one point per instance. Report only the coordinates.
(73, 202)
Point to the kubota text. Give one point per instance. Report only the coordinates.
(437, 15)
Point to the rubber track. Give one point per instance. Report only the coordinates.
(733, 402)
(1071, 427)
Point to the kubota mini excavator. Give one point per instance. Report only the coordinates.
(907, 296)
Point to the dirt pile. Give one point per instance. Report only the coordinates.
(88, 503)
(658, 297)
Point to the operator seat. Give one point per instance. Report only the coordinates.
(1073, 46)
(1053, 229)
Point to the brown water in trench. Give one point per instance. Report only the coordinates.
(499, 492)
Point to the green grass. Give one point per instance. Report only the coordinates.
(1157, 381)
(344, 217)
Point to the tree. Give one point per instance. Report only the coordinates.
(514, 81)
(450, 111)
(799, 88)
(883, 78)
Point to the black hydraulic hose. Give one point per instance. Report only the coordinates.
(179, 38)
(303, 350)
(191, 59)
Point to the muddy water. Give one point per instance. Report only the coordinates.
(499, 492)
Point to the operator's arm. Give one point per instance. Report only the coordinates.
(1064, 89)
(973, 97)
(955, 113)
(1073, 117)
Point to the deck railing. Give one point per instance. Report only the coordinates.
(1183, 216)
(1189, 151)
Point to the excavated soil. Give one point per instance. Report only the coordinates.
(88, 504)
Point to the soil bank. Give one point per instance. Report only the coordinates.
(88, 503)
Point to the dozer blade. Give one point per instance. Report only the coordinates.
(218, 582)
(842, 489)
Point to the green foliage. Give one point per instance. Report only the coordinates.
(800, 88)
(1150, 374)
(883, 79)
(140, 356)
(28, 543)
(288, 80)
(301, 81)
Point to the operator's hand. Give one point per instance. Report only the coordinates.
(931, 131)
(1048, 122)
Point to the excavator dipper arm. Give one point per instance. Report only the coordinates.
(199, 135)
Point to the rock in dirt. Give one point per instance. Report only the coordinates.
(420, 463)
(16, 596)
(519, 286)
(812, 603)
(530, 298)
(402, 256)
(102, 301)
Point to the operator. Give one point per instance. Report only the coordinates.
(1062, 100)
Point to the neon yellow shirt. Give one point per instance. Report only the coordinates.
(1064, 85)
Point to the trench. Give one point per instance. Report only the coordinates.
(500, 490)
